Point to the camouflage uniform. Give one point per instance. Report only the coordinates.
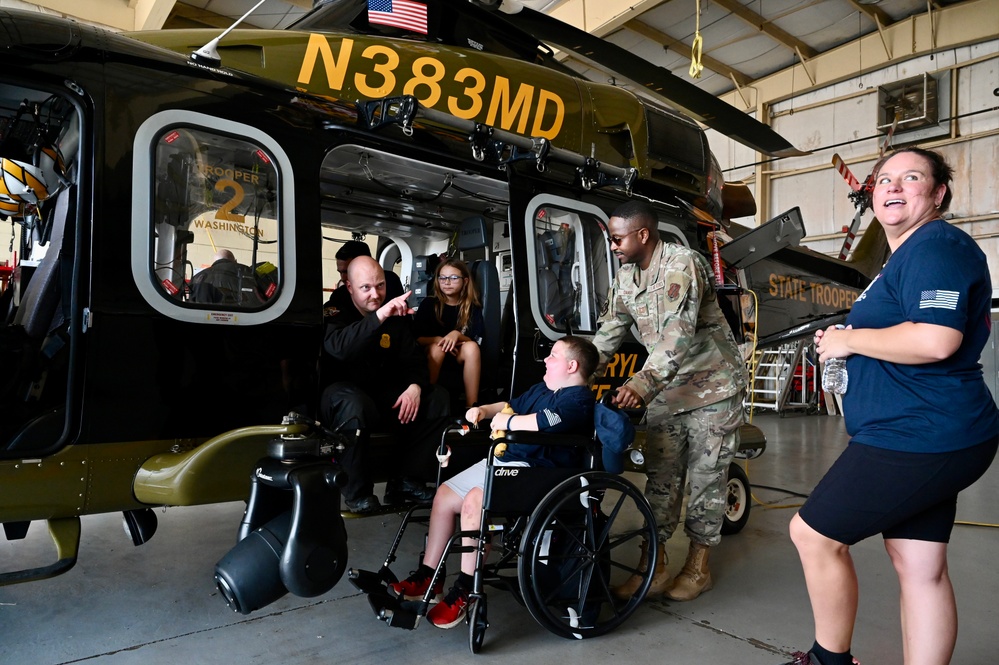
(693, 383)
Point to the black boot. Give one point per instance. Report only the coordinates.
(358, 494)
(405, 490)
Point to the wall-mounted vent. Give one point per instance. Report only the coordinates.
(914, 101)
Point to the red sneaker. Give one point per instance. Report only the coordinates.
(415, 586)
(451, 611)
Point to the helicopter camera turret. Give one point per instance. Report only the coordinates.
(292, 537)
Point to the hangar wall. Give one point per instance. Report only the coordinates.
(845, 115)
(114, 14)
(823, 107)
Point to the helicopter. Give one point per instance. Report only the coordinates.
(147, 152)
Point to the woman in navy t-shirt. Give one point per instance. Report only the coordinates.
(449, 326)
(922, 422)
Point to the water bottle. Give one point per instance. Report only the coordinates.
(834, 376)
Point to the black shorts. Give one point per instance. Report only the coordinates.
(913, 496)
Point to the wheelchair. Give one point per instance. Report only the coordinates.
(561, 538)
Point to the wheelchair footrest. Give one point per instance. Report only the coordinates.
(366, 581)
(396, 613)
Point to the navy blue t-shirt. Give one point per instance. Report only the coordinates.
(939, 276)
(568, 410)
(425, 322)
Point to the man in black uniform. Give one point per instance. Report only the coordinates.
(381, 382)
(347, 253)
(226, 282)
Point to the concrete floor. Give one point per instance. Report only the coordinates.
(158, 604)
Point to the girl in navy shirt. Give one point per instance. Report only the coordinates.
(449, 326)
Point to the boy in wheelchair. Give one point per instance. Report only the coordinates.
(564, 403)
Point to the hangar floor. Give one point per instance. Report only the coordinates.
(157, 604)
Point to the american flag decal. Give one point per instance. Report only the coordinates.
(938, 299)
(403, 14)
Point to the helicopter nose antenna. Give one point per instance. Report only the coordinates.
(208, 54)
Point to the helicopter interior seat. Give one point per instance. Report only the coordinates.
(555, 249)
(41, 321)
(486, 280)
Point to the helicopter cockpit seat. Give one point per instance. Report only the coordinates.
(40, 321)
(38, 312)
(556, 293)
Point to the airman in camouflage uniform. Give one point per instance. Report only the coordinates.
(693, 383)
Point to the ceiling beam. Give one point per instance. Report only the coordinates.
(116, 14)
(767, 28)
(184, 15)
(957, 25)
(600, 17)
(873, 12)
(678, 46)
(187, 16)
(151, 14)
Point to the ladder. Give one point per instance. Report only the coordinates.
(776, 369)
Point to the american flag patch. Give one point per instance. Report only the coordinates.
(553, 418)
(938, 299)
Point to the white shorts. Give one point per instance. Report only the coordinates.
(475, 476)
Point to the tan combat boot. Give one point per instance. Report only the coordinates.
(660, 579)
(695, 578)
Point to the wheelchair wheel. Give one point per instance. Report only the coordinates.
(581, 541)
(738, 499)
(477, 624)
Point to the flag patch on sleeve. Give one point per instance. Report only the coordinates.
(553, 417)
(938, 299)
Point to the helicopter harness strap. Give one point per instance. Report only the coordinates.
(696, 49)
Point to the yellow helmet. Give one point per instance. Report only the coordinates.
(21, 182)
(10, 208)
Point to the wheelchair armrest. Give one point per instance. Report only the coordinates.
(546, 439)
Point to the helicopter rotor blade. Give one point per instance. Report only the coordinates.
(888, 136)
(868, 185)
(845, 171)
(708, 109)
(851, 234)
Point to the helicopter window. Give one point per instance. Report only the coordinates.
(216, 222)
(216, 245)
(571, 265)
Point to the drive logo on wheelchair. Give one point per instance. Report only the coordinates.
(506, 473)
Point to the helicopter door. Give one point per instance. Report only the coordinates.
(40, 325)
(562, 261)
(562, 257)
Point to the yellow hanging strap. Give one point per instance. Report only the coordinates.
(697, 47)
